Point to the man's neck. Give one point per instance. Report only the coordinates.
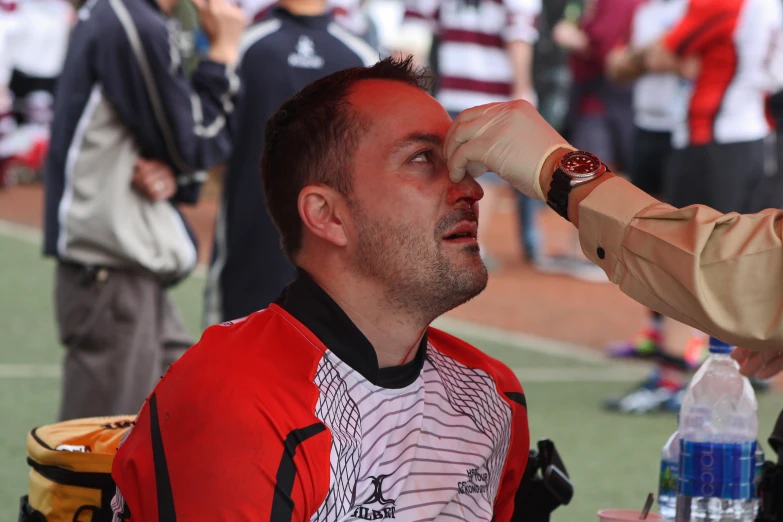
(395, 335)
(304, 7)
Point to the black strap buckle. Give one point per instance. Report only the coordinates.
(555, 475)
(545, 485)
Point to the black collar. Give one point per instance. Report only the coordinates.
(313, 307)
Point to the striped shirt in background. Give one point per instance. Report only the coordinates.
(473, 65)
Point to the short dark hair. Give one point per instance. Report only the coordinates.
(312, 138)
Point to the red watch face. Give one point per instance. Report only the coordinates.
(580, 163)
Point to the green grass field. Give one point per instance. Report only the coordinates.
(613, 460)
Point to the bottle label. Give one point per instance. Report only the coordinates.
(717, 470)
(668, 483)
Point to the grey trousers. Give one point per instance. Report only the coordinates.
(120, 331)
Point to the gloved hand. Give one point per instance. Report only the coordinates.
(511, 139)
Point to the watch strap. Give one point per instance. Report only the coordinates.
(559, 189)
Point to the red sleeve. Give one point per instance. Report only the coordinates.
(705, 22)
(216, 441)
(520, 444)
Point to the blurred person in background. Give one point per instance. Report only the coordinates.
(722, 53)
(654, 96)
(551, 82)
(776, 111)
(770, 191)
(349, 14)
(484, 55)
(725, 51)
(129, 138)
(601, 115)
(8, 11)
(729, 56)
(301, 42)
(33, 41)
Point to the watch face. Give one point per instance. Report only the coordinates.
(580, 164)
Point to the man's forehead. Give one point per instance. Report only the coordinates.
(398, 111)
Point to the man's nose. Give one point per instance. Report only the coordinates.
(466, 190)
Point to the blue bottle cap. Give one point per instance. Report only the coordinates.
(718, 346)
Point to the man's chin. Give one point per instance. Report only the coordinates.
(471, 280)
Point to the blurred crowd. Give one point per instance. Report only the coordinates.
(677, 95)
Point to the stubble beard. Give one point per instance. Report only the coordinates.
(417, 276)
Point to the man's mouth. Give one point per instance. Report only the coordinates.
(463, 232)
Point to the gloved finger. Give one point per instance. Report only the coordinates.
(466, 116)
(753, 364)
(772, 367)
(465, 156)
(474, 112)
(464, 132)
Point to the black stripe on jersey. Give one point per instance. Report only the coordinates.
(282, 504)
(517, 397)
(162, 481)
(703, 28)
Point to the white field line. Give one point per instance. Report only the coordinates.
(587, 375)
(518, 340)
(51, 371)
(22, 232)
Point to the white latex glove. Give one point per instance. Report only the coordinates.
(511, 139)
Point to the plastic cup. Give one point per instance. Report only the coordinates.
(625, 515)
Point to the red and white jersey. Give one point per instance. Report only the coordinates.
(654, 93)
(735, 42)
(286, 416)
(473, 65)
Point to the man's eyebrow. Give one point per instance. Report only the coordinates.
(417, 137)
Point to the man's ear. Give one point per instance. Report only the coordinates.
(318, 208)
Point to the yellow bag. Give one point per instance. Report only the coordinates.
(70, 480)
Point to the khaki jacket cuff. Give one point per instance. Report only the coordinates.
(604, 217)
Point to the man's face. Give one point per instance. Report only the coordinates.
(412, 229)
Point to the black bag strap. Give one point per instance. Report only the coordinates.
(776, 439)
(84, 479)
(539, 494)
(27, 513)
(67, 477)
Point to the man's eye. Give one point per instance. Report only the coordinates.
(424, 156)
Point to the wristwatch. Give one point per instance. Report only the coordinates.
(574, 169)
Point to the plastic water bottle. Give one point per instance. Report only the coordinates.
(718, 430)
(760, 458)
(667, 487)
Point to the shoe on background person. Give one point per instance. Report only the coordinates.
(661, 391)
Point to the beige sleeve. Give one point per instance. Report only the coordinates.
(720, 273)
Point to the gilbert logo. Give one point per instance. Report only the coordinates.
(305, 56)
(387, 509)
